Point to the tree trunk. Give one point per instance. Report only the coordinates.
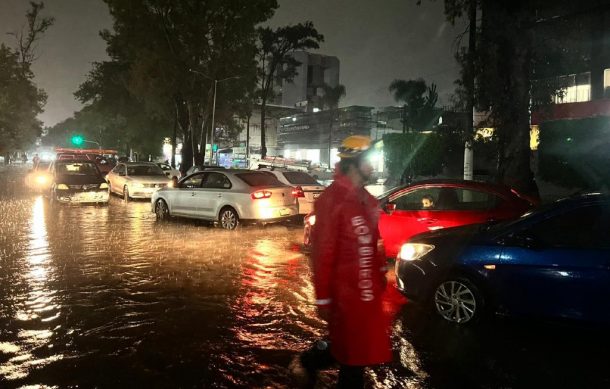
(514, 132)
(248, 140)
(263, 140)
(174, 140)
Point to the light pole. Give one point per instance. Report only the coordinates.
(216, 81)
(92, 141)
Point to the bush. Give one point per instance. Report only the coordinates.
(422, 154)
(574, 153)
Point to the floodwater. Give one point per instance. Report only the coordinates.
(105, 296)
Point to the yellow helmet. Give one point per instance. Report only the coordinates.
(354, 145)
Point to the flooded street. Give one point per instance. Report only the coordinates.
(107, 297)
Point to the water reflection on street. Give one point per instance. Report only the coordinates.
(107, 297)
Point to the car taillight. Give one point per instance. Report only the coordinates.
(297, 191)
(260, 194)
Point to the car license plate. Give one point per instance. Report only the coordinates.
(284, 212)
(316, 195)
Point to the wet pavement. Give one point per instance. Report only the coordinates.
(104, 296)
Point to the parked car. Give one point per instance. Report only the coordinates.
(137, 179)
(306, 188)
(77, 181)
(200, 168)
(38, 178)
(169, 171)
(553, 262)
(451, 203)
(228, 197)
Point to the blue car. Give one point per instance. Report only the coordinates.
(550, 263)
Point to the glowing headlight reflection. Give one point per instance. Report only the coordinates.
(413, 251)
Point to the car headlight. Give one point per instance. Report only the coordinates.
(104, 186)
(413, 251)
(62, 187)
(41, 180)
(170, 184)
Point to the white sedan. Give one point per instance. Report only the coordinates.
(306, 188)
(169, 171)
(137, 180)
(227, 197)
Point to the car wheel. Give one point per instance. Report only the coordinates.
(161, 210)
(458, 300)
(228, 218)
(126, 193)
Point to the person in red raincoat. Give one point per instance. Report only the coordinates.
(348, 270)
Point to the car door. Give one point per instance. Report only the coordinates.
(458, 206)
(114, 178)
(409, 218)
(185, 200)
(215, 187)
(559, 266)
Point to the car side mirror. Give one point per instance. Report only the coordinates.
(389, 208)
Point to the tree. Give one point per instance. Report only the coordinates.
(275, 62)
(28, 36)
(521, 47)
(164, 58)
(20, 100)
(418, 110)
(330, 100)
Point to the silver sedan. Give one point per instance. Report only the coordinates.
(137, 180)
(227, 197)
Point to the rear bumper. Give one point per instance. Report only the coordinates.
(269, 214)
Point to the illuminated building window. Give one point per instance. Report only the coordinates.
(577, 89)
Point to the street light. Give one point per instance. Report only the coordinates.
(213, 106)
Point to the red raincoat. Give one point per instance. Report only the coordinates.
(349, 274)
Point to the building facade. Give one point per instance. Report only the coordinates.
(305, 90)
(316, 136)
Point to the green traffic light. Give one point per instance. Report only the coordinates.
(77, 140)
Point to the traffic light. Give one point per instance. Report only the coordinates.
(215, 147)
(77, 140)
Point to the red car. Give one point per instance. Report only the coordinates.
(434, 204)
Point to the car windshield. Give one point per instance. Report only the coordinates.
(77, 168)
(300, 178)
(144, 170)
(259, 179)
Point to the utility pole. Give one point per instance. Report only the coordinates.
(470, 85)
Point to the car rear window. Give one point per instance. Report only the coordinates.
(259, 179)
(144, 170)
(77, 168)
(300, 178)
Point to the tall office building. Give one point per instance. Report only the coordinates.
(305, 90)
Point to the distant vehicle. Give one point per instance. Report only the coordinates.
(306, 188)
(38, 178)
(228, 197)
(200, 168)
(104, 159)
(453, 203)
(553, 262)
(169, 171)
(137, 180)
(77, 181)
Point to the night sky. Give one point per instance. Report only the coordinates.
(376, 41)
